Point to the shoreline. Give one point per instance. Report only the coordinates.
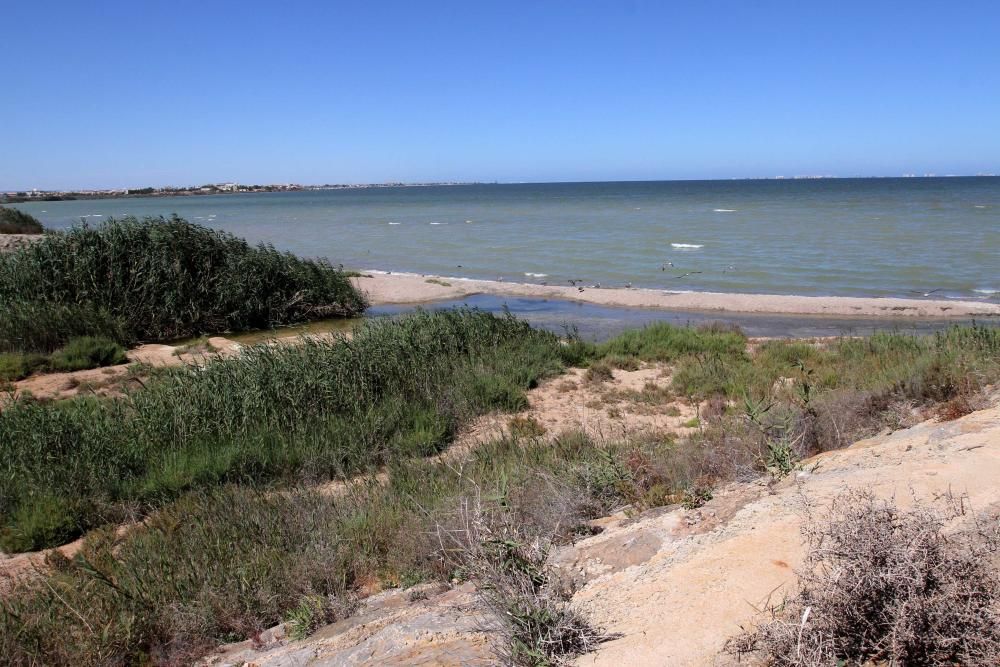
(384, 288)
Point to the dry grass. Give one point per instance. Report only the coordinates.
(881, 585)
(531, 622)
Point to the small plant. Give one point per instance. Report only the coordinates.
(694, 422)
(696, 496)
(306, 617)
(599, 372)
(525, 427)
(438, 281)
(533, 624)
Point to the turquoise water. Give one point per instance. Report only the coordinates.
(864, 237)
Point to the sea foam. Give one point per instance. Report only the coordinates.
(724, 210)
(535, 275)
(687, 246)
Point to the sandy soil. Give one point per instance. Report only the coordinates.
(710, 570)
(409, 288)
(628, 405)
(10, 242)
(113, 379)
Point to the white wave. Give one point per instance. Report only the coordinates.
(395, 223)
(536, 275)
(92, 215)
(44, 211)
(687, 246)
(986, 290)
(724, 210)
(468, 222)
(439, 223)
(977, 206)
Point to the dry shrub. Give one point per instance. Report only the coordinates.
(531, 622)
(960, 406)
(598, 372)
(882, 585)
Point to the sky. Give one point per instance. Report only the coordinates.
(130, 94)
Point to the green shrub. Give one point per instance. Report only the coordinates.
(87, 352)
(14, 366)
(159, 279)
(13, 221)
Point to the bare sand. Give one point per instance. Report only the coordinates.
(11, 242)
(406, 288)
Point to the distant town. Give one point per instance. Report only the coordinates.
(13, 197)
(207, 189)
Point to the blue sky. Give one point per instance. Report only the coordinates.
(109, 94)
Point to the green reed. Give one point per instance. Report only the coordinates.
(158, 279)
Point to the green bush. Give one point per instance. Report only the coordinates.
(87, 352)
(14, 366)
(13, 221)
(157, 279)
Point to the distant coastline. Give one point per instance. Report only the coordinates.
(22, 196)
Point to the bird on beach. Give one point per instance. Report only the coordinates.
(628, 285)
(579, 289)
(925, 293)
(664, 267)
(689, 273)
(596, 285)
(729, 268)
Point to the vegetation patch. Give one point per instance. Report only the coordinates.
(78, 354)
(883, 585)
(318, 410)
(158, 279)
(222, 564)
(14, 221)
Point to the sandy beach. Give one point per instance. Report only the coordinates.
(402, 288)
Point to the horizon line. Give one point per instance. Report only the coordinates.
(800, 177)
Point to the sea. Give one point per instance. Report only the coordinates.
(910, 237)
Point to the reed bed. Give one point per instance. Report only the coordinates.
(318, 410)
(14, 221)
(158, 279)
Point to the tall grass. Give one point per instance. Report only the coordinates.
(14, 221)
(316, 410)
(157, 279)
(223, 564)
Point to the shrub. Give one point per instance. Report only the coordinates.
(884, 585)
(14, 221)
(531, 623)
(161, 279)
(87, 352)
(15, 366)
